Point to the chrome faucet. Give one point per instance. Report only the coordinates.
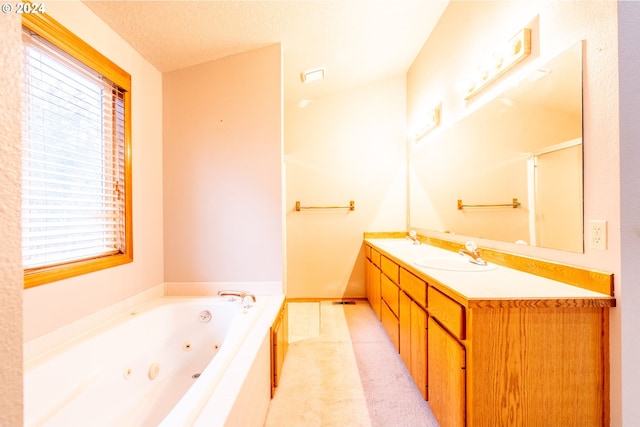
(413, 237)
(473, 253)
(248, 299)
(241, 294)
(230, 293)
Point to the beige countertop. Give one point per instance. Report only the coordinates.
(499, 283)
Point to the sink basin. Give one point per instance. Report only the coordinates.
(453, 264)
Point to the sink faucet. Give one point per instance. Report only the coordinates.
(413, 237)
(473, 253)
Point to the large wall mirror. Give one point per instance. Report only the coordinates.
(525, 144)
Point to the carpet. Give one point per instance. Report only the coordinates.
(341, 370)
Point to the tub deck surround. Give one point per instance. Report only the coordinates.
(503, 347)
(40, 344)
(167, 362)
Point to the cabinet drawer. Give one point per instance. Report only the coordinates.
(367, 251)
(447, 311)
(390, 269)
(375, 257)
(390, 293)
(415, 287)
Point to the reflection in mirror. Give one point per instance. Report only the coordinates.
(525, 144)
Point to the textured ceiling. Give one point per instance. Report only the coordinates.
(358, 41)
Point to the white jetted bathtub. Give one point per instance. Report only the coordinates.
(172, 362)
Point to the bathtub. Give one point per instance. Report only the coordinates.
(171, 362)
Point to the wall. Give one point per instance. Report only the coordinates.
(629, 294)
(471, 30)
(53, 305)
(10, 249)
(223, 172)
(347, 146)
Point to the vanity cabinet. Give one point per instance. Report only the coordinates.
(279, 345)
(516, 362)
(498, 355)
(536, 365)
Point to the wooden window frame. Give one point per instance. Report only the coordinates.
(56, 34)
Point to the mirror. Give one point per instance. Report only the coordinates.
(525, 144)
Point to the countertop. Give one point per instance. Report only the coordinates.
(499, 284)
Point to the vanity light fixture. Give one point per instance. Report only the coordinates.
(312, 75)
(432, 122)
(518, 48)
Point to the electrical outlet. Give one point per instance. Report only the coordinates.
(598, 234)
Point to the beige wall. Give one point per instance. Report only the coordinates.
(50, 306)
(10, 249)
(629, 275)
(471, 29)
(347, 146)
(223, 170)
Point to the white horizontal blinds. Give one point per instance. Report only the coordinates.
(118, 164)
(73, 160)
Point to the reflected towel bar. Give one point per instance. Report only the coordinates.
(513, 204)
(351, 207)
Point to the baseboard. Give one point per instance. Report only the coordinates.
(287, 299)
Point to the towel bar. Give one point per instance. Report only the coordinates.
(514, 204)
(351, 207)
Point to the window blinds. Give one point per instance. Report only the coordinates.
(73, 204)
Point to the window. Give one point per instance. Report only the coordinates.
(76, 167)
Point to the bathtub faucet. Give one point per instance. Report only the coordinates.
(247, 297)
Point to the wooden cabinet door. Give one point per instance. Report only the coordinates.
(283, 338)
(373, 287)
(280, 343)
(413, 341)
(446, 363)
(405, 330)
(419, 347)
(367, 278)
(390, 325)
